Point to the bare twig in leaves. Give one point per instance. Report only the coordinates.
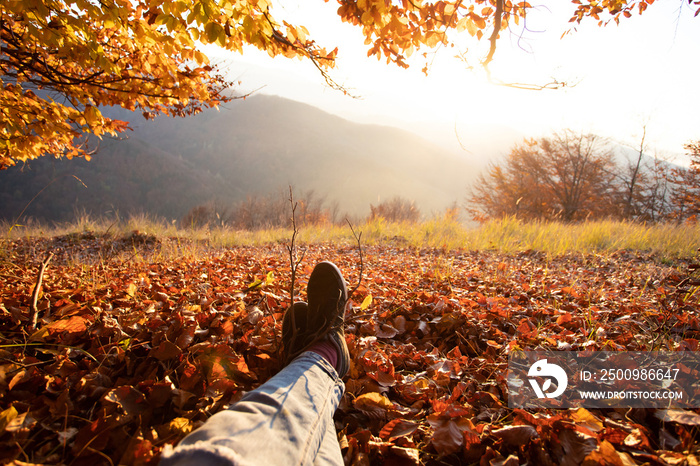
(294, 261)
(358, 239)
(37, 290)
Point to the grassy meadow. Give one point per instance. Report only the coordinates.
(509, 235)
(191, 318)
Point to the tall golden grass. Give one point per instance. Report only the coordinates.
(509, 235)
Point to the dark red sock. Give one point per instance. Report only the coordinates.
(328, 351)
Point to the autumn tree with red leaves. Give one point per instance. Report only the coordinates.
(566, 176)
(63, 61)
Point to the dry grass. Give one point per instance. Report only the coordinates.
(507, 235)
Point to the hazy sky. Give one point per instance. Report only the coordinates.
(645, 70)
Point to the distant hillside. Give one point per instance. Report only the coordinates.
(248, 147)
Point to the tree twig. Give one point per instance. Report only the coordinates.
(37, 290)
(358, 238)
(294, 261)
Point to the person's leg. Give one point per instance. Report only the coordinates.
(284, 421)
(329, 454)
(288, 419)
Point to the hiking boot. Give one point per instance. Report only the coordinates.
(305, 325)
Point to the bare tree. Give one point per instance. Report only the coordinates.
(259, 212)
(396, 209)
(632, 181)
(642, 183)
(685, 196)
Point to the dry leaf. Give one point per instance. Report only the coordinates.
(373, 404)
(680, 416)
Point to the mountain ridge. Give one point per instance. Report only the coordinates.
(248, 147)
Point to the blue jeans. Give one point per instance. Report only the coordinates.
(287, 421)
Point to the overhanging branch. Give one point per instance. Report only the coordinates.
(497, 22)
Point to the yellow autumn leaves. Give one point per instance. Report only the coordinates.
(140, 56)
(144, 55)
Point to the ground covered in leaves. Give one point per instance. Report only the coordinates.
(133, 350)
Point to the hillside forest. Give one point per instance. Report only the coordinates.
(196, 172)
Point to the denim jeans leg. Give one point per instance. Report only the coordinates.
(329, 454)
(287, 420)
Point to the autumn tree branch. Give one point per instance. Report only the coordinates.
(497, 25)
(316, 59)
(553, 85)
(497, 21)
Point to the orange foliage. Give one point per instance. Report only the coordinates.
(143, 55)
(566, 176)
(135, 55)
(132, 355)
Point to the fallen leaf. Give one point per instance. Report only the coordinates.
(367, 302)
(583, 417)
(680, 416)
(21, 422)
(71, 325)
(373, 404)
(410, 454)
(449, 433)
(516, 435)
(125, 402)
(398, 428)
(7, 416)
(605, 455)
(166, 350)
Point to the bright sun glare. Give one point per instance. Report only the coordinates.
(618, 77)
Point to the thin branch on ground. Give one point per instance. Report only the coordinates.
(37, 290)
